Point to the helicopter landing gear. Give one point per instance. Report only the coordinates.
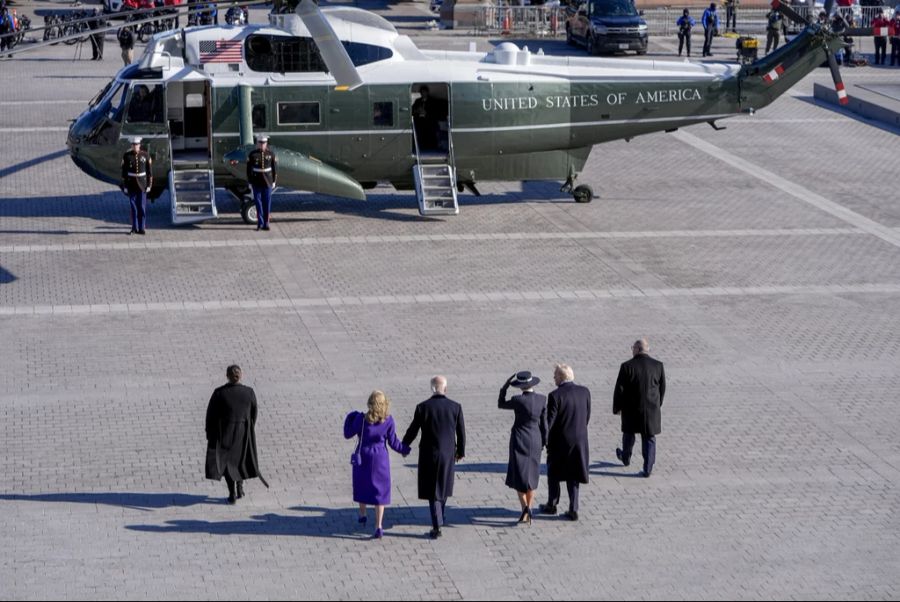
(248, 206)
(248, 211)
(583, 194)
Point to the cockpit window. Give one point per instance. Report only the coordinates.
(145, 104)
(116, 102)
(100, 95)
(283, 54)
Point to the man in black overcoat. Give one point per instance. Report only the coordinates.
(443, 444)
(230, 435)
(568, 414)
(638, 397)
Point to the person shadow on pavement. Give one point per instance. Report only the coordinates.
(330, 523)
(135, 501)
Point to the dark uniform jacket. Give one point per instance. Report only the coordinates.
(639, 395)
(443, 440)
(568, 414)
(262, 168)
(230, 434)
(137, 174)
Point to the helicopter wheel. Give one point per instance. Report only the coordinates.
(583, 194)
(248, 212)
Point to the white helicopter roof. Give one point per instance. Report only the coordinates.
(506, 62)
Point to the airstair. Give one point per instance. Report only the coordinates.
(192, 188)
(435, 178)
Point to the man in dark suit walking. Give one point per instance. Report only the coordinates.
(568, 414)
(231, 436)
(638, 397)
(443, 444)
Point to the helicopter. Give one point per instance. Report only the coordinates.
(347, 102)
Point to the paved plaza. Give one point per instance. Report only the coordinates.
(762, 262)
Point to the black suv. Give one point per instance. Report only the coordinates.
(606, 26)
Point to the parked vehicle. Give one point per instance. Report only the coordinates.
(606, 26)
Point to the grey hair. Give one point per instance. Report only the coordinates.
(439, 384)
(565, 371)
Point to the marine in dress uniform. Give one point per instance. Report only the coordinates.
(262, 172)
(137, 179)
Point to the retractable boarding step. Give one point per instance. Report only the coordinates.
(436, 188)
(193, 193)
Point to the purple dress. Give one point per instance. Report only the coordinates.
(372, 478)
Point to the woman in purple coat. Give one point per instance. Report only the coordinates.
(372, 474)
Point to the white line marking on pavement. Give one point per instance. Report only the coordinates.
(807, 196)
(444, 238)
(457, 298)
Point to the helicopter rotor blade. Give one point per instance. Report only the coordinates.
(838, 81)
(330, 47)
(789, 12)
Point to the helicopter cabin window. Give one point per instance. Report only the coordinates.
(258, 116)
(145, 104)
(282, 54)
(298, 113)
(363, 54)
(383, 114)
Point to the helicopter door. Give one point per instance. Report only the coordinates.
(431, 116)
(187, 105)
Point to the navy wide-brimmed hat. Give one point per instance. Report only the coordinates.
(524, 380)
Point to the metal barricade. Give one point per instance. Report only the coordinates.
(520, 21)
(550, 21)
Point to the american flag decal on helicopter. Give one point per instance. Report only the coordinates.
(220, 51)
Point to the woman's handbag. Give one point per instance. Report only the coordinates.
(356, 456)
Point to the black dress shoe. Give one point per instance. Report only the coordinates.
(434, 533)
(266, 228)
(547, 509)
(619, 456)
(142, 232)
(132, 232)
(571, 515)
(240, 490)
(523, 515)
(232, 500)
(645, 474)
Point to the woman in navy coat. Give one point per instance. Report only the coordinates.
(527, 439)
(372, 474)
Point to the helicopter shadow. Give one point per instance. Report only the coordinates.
(6, 277)
(23, 165)
(887, 127)
(111, 208)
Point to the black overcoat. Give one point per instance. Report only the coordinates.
(443, 440)
(230, 434)
(639, 393)
(527, 439)
(568, 414)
